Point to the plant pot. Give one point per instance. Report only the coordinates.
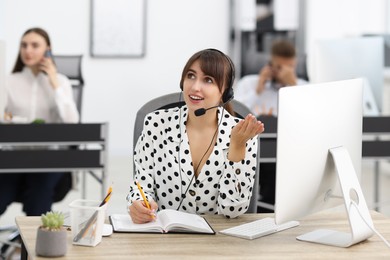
(51, 243)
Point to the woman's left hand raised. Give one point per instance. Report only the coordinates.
(246, 129)
(241, 133)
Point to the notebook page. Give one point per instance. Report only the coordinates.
(123, 223)
(177, 220)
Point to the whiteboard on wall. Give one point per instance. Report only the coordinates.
(118, 28)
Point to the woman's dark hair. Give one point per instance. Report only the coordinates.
(19, 65)
(215, 64)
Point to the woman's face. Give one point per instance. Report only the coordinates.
(32, 49)
(200, 90)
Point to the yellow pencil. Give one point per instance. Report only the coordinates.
(143, 195)
(107, 198)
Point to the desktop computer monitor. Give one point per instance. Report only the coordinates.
(318, 161)
(347, 58)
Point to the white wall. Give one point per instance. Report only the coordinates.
(345, 18)
(116, 88)
(2, 57)
(2, 19)
(2, 78)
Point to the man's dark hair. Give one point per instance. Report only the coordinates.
(283, 48)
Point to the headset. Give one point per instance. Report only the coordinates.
(228, 94)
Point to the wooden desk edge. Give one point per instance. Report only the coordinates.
(30, 224)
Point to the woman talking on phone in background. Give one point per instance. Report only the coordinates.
(35, 91)
(197, 158)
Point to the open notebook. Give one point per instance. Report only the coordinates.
(167, 221)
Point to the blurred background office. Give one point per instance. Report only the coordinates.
(116, 87)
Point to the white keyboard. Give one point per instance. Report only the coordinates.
(258, 228)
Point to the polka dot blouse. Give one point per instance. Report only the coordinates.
(164, 168)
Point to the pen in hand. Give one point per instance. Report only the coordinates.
(144, 197)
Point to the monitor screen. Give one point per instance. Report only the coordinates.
(313, 120)
(347, 58)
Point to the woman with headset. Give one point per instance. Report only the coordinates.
(198, 158)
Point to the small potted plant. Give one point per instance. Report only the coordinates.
(51, 236)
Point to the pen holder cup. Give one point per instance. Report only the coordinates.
(87, 220)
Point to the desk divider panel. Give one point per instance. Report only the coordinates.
(50, 159)
(371, 149)
(19, 133)
(54, 148)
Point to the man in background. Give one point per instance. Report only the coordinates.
(260, 92)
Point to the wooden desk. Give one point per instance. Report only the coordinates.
(190, 246)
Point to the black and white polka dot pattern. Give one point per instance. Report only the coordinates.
(222, 187)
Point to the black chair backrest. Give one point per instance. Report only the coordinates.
(70, 66)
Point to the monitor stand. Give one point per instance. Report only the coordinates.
(358, 215)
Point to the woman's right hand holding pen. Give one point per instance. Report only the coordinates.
(140, 213)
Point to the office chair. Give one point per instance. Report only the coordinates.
(174, 100)
(70, 66)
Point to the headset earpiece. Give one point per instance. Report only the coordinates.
(227, 95)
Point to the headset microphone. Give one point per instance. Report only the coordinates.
(202, 111)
